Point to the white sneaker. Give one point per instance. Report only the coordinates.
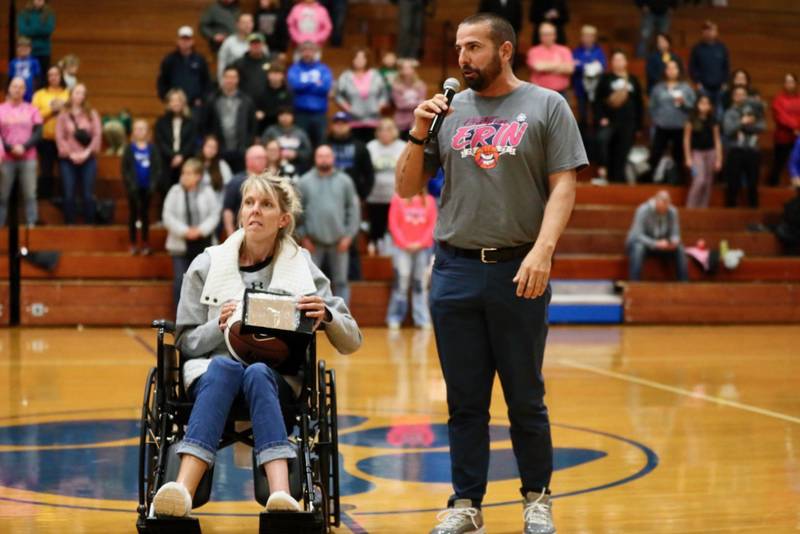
(280, 501)
(172, 500)
(599, 180)
(394, 327)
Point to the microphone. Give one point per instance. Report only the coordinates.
(451, 86)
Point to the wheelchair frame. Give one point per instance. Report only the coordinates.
(166, 410)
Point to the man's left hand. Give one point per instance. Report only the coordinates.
(533, 274)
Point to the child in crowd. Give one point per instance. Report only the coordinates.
(216, 171)
(384, 151)
(309, 21)
(141, 170)
(69, 66)
(702, 147)
(27, 67)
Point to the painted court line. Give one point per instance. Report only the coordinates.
(678, 391)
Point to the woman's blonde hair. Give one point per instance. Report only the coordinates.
(279, 188)
(185, 112)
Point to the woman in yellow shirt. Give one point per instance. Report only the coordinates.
(49, 101)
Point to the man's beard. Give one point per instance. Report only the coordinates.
(485, 77)
(325, 168)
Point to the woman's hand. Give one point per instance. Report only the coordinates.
(314, 307)
(227, 310)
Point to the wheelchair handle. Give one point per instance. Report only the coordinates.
(163, 324)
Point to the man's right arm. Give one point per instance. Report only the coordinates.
(410, 175)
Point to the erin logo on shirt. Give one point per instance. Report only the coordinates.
(485, 139)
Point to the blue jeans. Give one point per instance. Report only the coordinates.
(338, 264)
(314, 124)
(637, 252)
(482, 328)
(214, 393)
(409, 267)
(26, 169)
(70, 174)
(651, 25)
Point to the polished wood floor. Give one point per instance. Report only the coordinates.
(657, 430)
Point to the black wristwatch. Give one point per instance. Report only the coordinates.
(416, 140)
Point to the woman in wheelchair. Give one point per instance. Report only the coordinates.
(263, 255)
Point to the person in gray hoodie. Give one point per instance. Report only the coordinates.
(741, 126)
(331, 217)
(361, 92)
(294, 141)
(656, 231)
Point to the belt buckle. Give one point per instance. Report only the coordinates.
(483, 255)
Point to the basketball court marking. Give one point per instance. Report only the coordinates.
(678, 391)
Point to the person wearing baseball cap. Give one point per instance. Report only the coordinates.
(184, 69)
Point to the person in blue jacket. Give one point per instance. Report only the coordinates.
(37, 22)
(310, 81)
(27, 67)
(590, 63)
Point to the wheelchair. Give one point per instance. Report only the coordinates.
(310, 418)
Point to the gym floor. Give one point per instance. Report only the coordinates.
(656, 429)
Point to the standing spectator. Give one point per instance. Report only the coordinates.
(252, 69)
(276, 164)
(657, 60)
(361, 93)
(141, 170)
(408, 92)
(309, 21)
(411, 27)
(337, 9)
(670, 103)
(190, 215)
(26, 67)
(786, 113)
(69, 68)
(788, 228)
(411, 223)
(294, 142)
(49, 101)
(184, 69)
(331, 217)
(20, 132)
(510, 10)
(276, 96)
(232, 119)
(708, 64)
(216, 173)
(237, 45)
(351, 154)
(703, 150)
(270, 22)
(78, 134)
(741, 126)
(656, 231)
(556, 12)
(551, 64)
(739, 78)
(175, 138)
(590, 63)
(37, 22)
(388, 68)
(255, 163)
(310, 81)
(656, 18)
(218, 22)
(384, 152)
(618, 110)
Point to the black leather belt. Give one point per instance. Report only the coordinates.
(488, 255)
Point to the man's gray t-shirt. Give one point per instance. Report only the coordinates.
(497, 154)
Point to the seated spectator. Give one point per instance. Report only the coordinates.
(670, 103)
(384, 151)
(656, 18)
(270, 19)
(255, 163)
(232, 119)
(49, 101)
(20, 132)
(26, 67)
(657, 60)
(37, 22)
(351, 154)
(237, 45)
(411, 223)
(276, 164)
(551, 64)
(190, 215)
(185, 69)
(218, 22)
(786, 113)
(510, 10)
(141, 171)
(295, 145)
(741, 126)
(78, 134)
(361, 92)
(331, 217)
(70, 64)
(618, 110)
(276, 96)
(408, 92)
(709, 64)
(590, 63)
(739, 78)
(310, 81)
(703, 150)
(656, 232)
(175, 137)
(309, 21)
(555, 12)
(217, 173)
(252, 69)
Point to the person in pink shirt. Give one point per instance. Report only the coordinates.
(309, 21)
(20, 130)
(408, 92)
(551, 64)
(78, 140)
(411, 224)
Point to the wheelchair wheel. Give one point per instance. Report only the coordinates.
(149, 439)
(329, 444)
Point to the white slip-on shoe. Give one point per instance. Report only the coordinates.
(280, 501)
(172, 500)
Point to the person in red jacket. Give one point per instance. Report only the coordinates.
(786, 113)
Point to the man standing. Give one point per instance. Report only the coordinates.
(656, 231)
(183, 68)
(510, 151)
(709, 63)
(232, 118)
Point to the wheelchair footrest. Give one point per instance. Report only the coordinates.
(172, 525)
(291, 523)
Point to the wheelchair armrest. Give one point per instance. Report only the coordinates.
(167, 326)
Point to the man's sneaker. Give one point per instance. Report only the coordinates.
(538, 514)
(280, 501)
(462, 518)
(172, 500)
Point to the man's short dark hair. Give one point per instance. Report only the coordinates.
(500, 30)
